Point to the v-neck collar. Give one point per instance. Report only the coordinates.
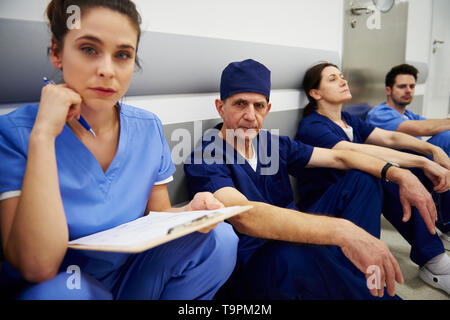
(236, 155)
(254, 175)
(335, 125)
(89, 162)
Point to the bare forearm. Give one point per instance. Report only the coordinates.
(361, 161)
(270, 222)
(345, 160)
(407, 142)
(404, 159)
(38, 236)
(428, 127)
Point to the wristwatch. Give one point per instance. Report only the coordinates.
(385, 169)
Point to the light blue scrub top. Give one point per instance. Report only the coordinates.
(93, 200)
(387, 118)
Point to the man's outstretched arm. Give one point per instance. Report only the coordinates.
(272, 222)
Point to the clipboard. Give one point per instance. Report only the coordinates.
(153, 230)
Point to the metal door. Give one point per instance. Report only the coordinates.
(373, 43)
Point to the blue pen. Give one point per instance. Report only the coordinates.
(81, 120)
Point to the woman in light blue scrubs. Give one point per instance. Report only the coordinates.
(325, 125)
(59, 181)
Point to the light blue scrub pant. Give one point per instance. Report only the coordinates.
(283, 270)
(192, 267)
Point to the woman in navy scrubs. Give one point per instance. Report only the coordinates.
(59, 182)
(325, 125)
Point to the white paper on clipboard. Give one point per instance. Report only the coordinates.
(153, 229)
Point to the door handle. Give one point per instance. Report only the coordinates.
(435, 43)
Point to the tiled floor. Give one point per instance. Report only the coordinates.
(413, 288)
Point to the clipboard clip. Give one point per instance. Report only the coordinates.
(192, 222)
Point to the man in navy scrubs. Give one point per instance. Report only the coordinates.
(334, 252)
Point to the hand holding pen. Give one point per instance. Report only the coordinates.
(81, 120)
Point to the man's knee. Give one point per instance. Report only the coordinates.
(225, 248)
(364, 182)
(282, 270)
(363, 177)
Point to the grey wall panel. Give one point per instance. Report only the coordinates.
(190, 64)
(285, 121)
(24, 60)
(171, 63)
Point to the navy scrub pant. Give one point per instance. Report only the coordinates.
(424, 245)
(191, 267)
(283, 270)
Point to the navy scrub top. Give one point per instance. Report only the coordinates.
(319, 131)
(214, 164)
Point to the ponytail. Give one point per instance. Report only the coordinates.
(310, 107)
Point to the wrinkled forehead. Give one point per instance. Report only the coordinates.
(251, 97)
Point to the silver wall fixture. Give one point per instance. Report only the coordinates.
(382, 5)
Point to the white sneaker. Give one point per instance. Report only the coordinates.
(438, 281)
(445, 237)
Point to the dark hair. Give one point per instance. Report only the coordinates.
(312, 79)
(57, 16)
(400, 69)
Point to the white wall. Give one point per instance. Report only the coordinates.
(418, 37)
(311, 24)
(426, 23)
(438, 86)
(298, 23)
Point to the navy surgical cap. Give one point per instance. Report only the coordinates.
(245, 76)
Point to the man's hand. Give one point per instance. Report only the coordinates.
(439, 175)
(204, 201)
(413, 193)
(366, 251)
(440, 157)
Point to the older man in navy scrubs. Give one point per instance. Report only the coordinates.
(285, 253)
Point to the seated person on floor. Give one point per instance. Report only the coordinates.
(324, 125)
(393, 115)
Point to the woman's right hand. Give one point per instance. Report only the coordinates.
(58, 104)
